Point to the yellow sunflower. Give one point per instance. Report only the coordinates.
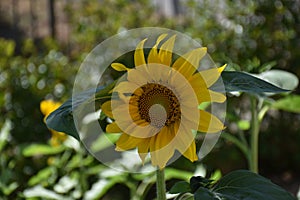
(46, 107)
(155, 105)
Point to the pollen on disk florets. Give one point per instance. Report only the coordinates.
(152, 94)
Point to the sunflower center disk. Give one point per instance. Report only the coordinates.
(158, 105)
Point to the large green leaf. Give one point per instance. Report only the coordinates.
(290, 103)
(235, 81)
(246, 185)
(237, 185)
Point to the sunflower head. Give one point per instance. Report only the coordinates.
(154, 105)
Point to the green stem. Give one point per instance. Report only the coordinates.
(160, 184)
(262, 113)
(253, 162)
(239, 143)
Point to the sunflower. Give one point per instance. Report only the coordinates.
(155, 104)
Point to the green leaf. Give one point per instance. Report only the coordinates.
(242, 82)
(243, 184)
(41, 149)
(290, 103)
(101, 187)
(172, 173)
(39, 191)
(4, 133)
(197, 182)
(244, 125)
(204, 194)
(62, 118)
(280, 78)
(7, 189)
(104, 141)
(267, 66)
(65, 184)
(180, 187)
(41, 176)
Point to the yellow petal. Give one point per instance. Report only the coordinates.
(157, 72)
(119, 67)
(205, 95)
(138, 76)
(189, 62)
(190, 153)
(184, 138)
(141, 129)
(165, 52)
(161, 148)
(153, 55)
(113, 128)
(125, 87)
(48, 106)
(143, 149)
(106, 108)
(216, 96)
(127, 142)
(139, 58)
(197, 81)
(210, 76)
(220, 69)
(209, 123)
(191, 114)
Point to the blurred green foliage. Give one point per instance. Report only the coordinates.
(252, 36)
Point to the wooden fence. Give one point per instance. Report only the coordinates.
(42, 18)
(34, 18)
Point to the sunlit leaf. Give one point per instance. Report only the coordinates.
(65, 184)
(171, 173)
(41, 176)
(280, 78)
(243, 124)
(101, 187)
(8, 189)
(235, 81)
(39, 191)
(41, 149)
(4, 133)
(104, 141)
(290, 103)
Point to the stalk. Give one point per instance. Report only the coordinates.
(160, 184)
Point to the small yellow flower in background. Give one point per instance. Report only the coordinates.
(156, 106)
(46, 107)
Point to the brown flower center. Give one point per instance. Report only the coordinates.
(153, 98)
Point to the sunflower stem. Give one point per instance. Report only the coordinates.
(160, 184)
(253, 162)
